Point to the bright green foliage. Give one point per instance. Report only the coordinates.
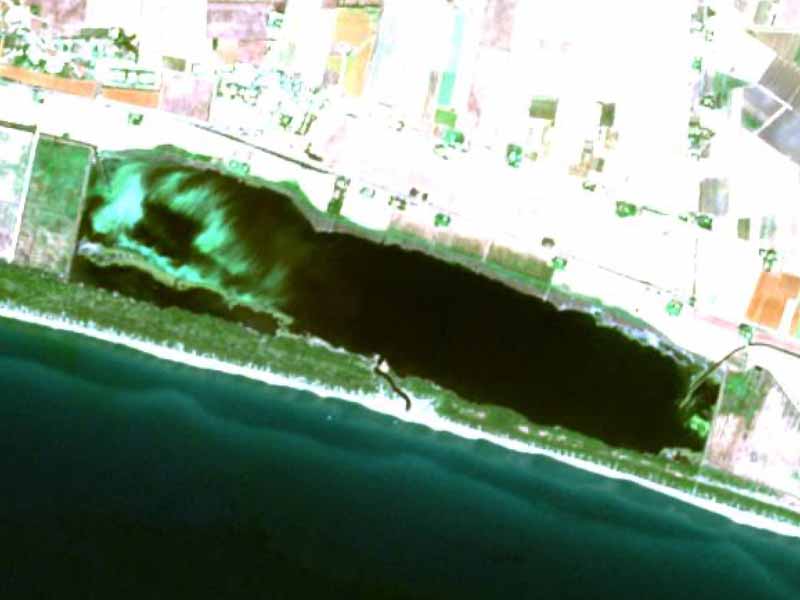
(285, 121)
(709, 101)
(737, 385)
(453, 137)
(559, 263)
(700, 426)
(722, 86)
(626, 209)
(674, 308)
(238, 167)
(335, 206)
(441, 220)
(446, 118)
(514, 155)
(704, 221)
(769, 258)
(743, 395)
(746, 331)
(750, 121)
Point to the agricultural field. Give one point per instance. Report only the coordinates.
(52, 210)
(755, 431)
(15, 149)
(356, 32)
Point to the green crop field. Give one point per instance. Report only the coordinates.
(55, 199)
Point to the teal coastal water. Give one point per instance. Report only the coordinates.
(125, 474)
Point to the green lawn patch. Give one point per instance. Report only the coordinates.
(544, 107)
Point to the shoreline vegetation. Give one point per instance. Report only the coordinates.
(520, 272)
(312, 365)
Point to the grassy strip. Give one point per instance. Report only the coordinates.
(703, 482)
(296, 356)
(505, 271)
(283, 353)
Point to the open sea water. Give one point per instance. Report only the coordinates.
(125, 476)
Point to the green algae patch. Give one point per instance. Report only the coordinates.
(135, 200)
(127, 188)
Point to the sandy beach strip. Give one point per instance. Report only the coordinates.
(422, 411)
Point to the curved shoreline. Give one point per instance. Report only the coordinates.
(563, 299)
(422, 411)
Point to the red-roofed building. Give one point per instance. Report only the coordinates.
(78, 87)
(143, 98)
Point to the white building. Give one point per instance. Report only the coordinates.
(164, 27)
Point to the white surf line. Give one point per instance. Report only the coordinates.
(422, 412)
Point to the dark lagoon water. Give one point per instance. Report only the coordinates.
(126, 476)
(481, 339)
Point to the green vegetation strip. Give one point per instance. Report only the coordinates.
(232, 342)
(296, 356)
(703, 482)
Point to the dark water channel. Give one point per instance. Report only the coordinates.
(486, 342)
